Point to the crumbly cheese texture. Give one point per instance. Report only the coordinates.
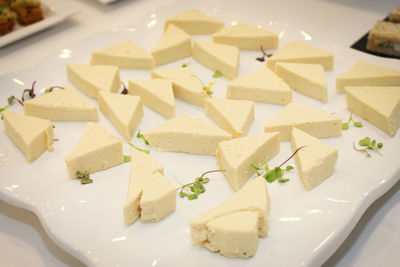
(126, 55)
(156, 94)
(366, 74)
(185, 84)
(300, 52)
(315, 122)
(187, 134)
(215, 229)
(194, 21)
(308, 79)
(234, 116)
(125, 112)
(31, 135)
(237, 156)
(247, 37)
(260, 86)
(224, 58)
(61, 105)
(96, 150)
(315, 161)
(91, 79)
(380, 105)
(174, 45)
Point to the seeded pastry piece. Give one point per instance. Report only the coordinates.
(308, 79)
(156, 94)
(315, 122)
(315, 161)
(380, 105)
(31, 135)
(394, 15)
(96, 150)
(61, 105)
(384, 38)
(363, 74)
(234, 116)
(91, 79)
(260, 86)
(194, 21)
(174, 45)
(185, 84)
(237, 156)
(232, 227)
(126, 55)
(150, 195)
(247, 37)
(187, 134)
(300, 52)
(124, 111)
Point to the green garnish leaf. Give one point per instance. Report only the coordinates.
(183, 194)
(141, 136)
(86, 181)
(358, 124)
(192, 196)
(380, 145)
(184, 65)
(127, 159)
(84, 177)
(217, 74)
(283, 180)
(364, 142)
(289, 167)
(345, 126)
(255, 167)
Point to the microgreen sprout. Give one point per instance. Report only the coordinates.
(125, 90)
(264, 55)
(50, 89)
(138, 148)
(217, 74)
(141, 136)
(84, 177)
(208, 88)
(367, 145)
(194, 189)
(276, 173)
(345, 125)
(184, 65)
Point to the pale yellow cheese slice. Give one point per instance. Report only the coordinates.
(126, 55)
(185, 84)
(247, 37)
(300, 52)
(234, 116)
(224, 58)
(260, 86)
(237, 156)
(125, 112)
(380, 105)
(61, 105)
(31, 135)
(194, 21)
(315, 122)
(96, 150)
(315, 161)
(156, 94)
(187, 134)
(174, 45)
(367, 74)
(91, 79)
(308, 79)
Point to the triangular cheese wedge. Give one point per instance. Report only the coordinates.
(156, 94)
(308, 79)
(194, 21)
(248, 37)
(125, 112)
(187, 134)
(96, 150)
(174, 45)
(237, 156)
(380, 105)
(234, 116)
(315, 122)
(158, 199)
(315, 161)
(31, 135)
(252, 197)
(224, 58)
(91, 79)
(143, 166)
(126, 55)
(61, 105)
(185, 83)
(300, 52)
(366, 74)
(260, 86)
